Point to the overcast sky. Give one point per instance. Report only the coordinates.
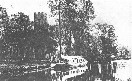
(114, 12)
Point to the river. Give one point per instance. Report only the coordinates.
(119, 70)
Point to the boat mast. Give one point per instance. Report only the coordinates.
(59, 30)
(87, 10)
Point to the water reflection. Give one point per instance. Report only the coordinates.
(123, 70)
(95, 72)
(114, 71)
(22, 74)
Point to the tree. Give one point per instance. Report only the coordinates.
(24, 40)
(74, 21)
(108, 41)
(16, 33)
(3, 24)
(124, 52)
(43, 36)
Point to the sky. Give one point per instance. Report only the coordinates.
(114, 12)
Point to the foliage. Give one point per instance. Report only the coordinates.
(3, 23)
(25, 40)
(74, 17)
(94, 42)
(123, 53)
(43, 37)
(108, 41)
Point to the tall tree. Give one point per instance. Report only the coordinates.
(3, 24)
(74, 18)
(43, 37)
(108, 39)
(16, 34)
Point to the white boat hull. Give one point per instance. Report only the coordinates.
(75, 60)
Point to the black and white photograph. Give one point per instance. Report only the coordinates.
(65, 40)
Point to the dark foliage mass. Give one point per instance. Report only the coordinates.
(24, 40)
(95, 42)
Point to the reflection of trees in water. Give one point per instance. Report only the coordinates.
(93, 73)
(123, 70)
(31, 76)
(104, 74)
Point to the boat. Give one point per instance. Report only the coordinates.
(71, 61)
(75, 60)
(74, 72)
(59, 63)
(69, 74)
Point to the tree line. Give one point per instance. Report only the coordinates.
(26, 40)
(23, 39)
